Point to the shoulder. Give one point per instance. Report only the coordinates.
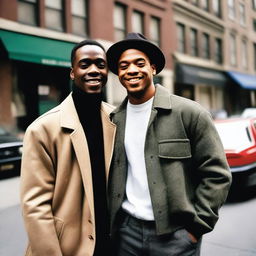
(46, 121)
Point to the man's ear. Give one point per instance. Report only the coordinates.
(72, 74)
(153, 66)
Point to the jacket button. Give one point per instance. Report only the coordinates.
(90, 237)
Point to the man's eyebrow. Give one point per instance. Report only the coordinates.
(91, 60)
(136, 60)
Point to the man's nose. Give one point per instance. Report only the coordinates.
(132, 69)
(93, 69)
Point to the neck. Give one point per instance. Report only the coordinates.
(142, 96)
(82, 99)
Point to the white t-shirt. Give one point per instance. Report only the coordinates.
(138, 201)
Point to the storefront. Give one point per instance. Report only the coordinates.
(204, 85)
(243, 90)
(34, 76)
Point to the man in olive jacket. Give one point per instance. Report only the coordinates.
(169, 174)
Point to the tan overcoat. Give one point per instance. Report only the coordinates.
(56, 182)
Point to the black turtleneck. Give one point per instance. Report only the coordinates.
(88, 108)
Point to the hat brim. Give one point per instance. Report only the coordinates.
(154, 53)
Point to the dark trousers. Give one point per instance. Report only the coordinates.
(138, 238)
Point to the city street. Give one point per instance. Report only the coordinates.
(234, 235)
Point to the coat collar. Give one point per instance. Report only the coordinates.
(162, 100)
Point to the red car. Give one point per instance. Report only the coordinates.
(239, 140)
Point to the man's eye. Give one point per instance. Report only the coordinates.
(123, 66)
(101, 65)
(84, 65)
(141, 64)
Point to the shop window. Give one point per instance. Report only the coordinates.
(79, 17)
(54, 15)
(155, 30)
(28, 12)
(137, 22)
(181, 38)
(48, 98)
(120, 21)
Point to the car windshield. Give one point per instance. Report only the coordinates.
(235, 135)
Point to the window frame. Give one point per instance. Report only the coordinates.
(36, 12)
(120, 30)
(61, 11)
(83, 18)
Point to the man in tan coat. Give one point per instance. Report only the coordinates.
(65, 164)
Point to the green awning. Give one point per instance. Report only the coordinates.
(36, 49)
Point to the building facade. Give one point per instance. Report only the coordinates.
(215, 55)
(37, 37)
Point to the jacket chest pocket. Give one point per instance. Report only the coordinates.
(174, 149)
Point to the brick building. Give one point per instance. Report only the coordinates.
(215, 59)
(38, 35)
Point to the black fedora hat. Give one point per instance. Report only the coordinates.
(139, 42)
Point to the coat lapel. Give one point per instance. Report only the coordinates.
(109, 130)
(70, 120)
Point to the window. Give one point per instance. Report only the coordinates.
(254, 49)
(193, 42)
(242, 14)
(27, 12)
(119, 22)
(155, 30)
(194, 2)
(137, 22)
(205, 5)
(231, 9)
(216, 7)
(54, 15)
(206, 46)
(232, 48)
(79, 17)
(218, 51)
(254, 4)
(244, 54)
(181, 38)
(254, 25)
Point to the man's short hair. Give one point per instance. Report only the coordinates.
(83, 43)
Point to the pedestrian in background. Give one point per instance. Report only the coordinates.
(65, 164)
(169, 175)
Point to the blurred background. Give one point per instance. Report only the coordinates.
(210, 49)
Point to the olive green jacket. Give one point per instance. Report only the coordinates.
(187, 171)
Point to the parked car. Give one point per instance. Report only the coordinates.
(248, 113)
(239, 140)
(10, 154)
